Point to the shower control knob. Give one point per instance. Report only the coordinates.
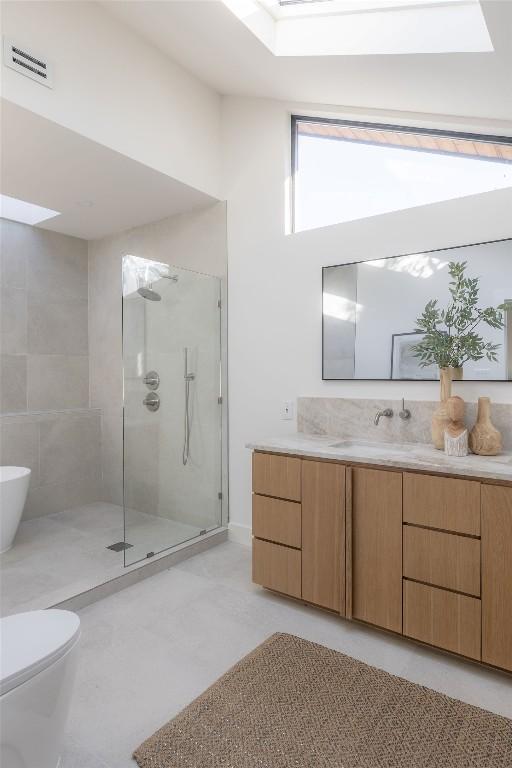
(152, 401)
(152, 380)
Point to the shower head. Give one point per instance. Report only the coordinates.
(147, 292)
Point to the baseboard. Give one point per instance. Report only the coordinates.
(241, 534)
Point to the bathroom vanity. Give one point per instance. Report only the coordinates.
(400, 537)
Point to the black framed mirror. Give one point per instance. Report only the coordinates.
(370, 312)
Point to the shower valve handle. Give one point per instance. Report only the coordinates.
(152, 401)
(152, 380)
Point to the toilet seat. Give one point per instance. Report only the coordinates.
(33, 641)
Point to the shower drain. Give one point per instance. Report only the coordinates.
(119, 546)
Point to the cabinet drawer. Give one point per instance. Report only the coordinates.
(442, 559)
(276, 567)
(276, 520)
(442, 502)
(276, 476)
(444, 619)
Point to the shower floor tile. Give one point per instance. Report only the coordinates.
(61, 555)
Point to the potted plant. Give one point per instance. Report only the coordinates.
(450, 336)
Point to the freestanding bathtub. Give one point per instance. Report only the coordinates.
(13, 493)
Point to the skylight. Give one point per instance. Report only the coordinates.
(24, 212)
(364, 27)
(346, 171)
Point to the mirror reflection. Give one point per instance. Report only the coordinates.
(371, 312)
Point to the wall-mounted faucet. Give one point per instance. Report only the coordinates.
(386, 412)
(405, 412)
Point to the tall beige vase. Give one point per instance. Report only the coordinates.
(441, 418)
(484, 438)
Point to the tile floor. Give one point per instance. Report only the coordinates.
(150, 649)
(77, 539)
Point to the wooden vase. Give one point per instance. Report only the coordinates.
(484, 438)
(441, 418)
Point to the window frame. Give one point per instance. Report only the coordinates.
(296, 119)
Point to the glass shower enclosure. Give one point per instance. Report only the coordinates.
(172, 422)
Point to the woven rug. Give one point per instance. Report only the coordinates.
(292, 703)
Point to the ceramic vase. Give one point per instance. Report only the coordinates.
(440, 418)
(457, 373)
(484, 438)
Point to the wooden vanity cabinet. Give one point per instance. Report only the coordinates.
(497, 575)
(374, 578)
(425, 556)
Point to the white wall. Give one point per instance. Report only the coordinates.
(113, 87)
(275, 279)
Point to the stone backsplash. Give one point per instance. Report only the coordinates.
(350, 418)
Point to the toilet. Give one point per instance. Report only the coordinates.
(38, 657)
(13, 494)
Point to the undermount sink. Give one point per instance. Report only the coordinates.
(362, 445)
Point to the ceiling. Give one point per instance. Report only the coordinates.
(206, 38)
(98, 191)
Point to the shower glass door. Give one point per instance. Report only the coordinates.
(172, 406)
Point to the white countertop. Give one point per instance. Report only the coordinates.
(415, 456)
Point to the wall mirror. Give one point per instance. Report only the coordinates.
(370, 309)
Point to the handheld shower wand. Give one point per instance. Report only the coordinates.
(188, 426)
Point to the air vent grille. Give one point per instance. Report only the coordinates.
(27, 63)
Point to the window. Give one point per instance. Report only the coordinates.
(344, 171)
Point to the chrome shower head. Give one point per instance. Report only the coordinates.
(147, 292)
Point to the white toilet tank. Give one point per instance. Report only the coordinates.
(37, 668)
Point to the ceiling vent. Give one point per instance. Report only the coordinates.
(27, 63)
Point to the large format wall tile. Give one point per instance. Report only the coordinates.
(44, 323)
(13, 253)
(57, 327)
(112, 454)
(45, 368)
(56, 266)
(69, 448)
(13, 320)
(63, 450)
(57, 382)
(13, 383)
(56, 497)
(19, 446)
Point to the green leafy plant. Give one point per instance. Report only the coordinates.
(450, 338)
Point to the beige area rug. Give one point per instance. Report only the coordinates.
(292, 703)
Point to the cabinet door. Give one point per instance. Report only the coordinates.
(376, 547)
(323, 534)
(497, 575)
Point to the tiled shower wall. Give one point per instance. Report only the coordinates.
(46, 423)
